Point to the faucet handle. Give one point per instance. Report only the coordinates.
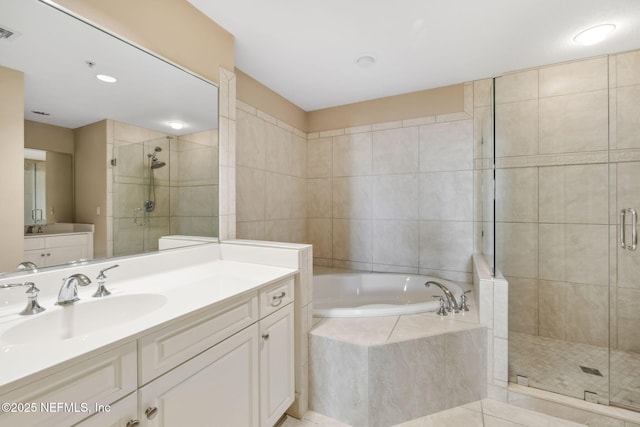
(32, 300)
(102, 291)
(442, 311)
(102, 276)
(463, 301)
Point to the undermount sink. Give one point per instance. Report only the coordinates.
(82, 318)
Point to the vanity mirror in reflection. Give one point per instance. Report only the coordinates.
(111, 131)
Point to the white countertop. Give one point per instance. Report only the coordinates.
(187, 290)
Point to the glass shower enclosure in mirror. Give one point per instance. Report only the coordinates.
(164, 105)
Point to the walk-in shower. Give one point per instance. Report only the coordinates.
(162, 186)
(567, 186)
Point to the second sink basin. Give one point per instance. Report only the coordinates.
(82, 318)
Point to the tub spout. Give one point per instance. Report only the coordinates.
(451, 299)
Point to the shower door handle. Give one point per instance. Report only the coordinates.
(136, 211)
(634, 229)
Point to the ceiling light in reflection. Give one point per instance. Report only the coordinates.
(594, 35)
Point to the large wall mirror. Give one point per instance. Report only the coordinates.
(141, 133)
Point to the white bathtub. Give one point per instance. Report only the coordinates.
(363, 294)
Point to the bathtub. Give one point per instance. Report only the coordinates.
(363, 294)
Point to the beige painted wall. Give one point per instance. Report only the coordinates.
(444, 100)
(173, 29)
(254, 93)
(91, 181)
(11, 172)
(42, 136)
(59, 187)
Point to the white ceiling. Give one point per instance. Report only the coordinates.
(305, 50)
(52, 49)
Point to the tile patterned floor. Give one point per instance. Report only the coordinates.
(484, 413)
(554, 365)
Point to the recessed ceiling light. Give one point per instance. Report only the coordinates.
(366, 61)
(175, 125)
(106, 78)
(594, 35)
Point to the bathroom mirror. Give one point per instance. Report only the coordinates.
(154, 113)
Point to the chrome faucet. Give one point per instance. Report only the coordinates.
(69, 290)
(32, 297)
(102, 278)
(451, 299)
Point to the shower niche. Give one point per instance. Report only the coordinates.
(162, 185)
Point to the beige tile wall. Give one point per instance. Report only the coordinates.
(394, 196)
(271, 162)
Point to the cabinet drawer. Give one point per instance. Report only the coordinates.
(31, 243)
(276, 296)
(70, 240)
(167, 348)
(72, 394)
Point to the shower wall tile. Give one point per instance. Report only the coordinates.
(574, 123)
(352, 155)
(482, 92)
(396, 243)
(574, 194)
(285, 197)
(521, 258)
(628, 334)
(298, 156)
(352, 240)
(396, 196)
(517, 128)
(517, 195)
(552, 309)
(446, 146)
(523, 305)
(319, 158)
(396, 151)
(586, 314)
(627, 117)
(627, 66)
(520, 86)
(574, 253)
(446, 196)
(353, 197)
(251, 230)
(574, 77)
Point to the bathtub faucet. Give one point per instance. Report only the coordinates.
(451, 299)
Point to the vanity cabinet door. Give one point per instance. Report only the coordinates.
(216, 388)
(123, 413)
(277, 385)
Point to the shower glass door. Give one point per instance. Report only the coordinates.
(141, 195)
(567, 162)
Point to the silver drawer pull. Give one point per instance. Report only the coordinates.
(133, 423)
(265, 336)
(151, 412)
(276, 300)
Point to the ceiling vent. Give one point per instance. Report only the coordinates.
(7, 34)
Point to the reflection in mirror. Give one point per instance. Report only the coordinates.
(111, 131)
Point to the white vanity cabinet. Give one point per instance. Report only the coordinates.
(277, 382)
(58, 249)
(230, 364)
(218, 388)
(73, 393)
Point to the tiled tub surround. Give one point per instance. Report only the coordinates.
(385, 370)
(391, 196)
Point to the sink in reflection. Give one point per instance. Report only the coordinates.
(82, 318)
